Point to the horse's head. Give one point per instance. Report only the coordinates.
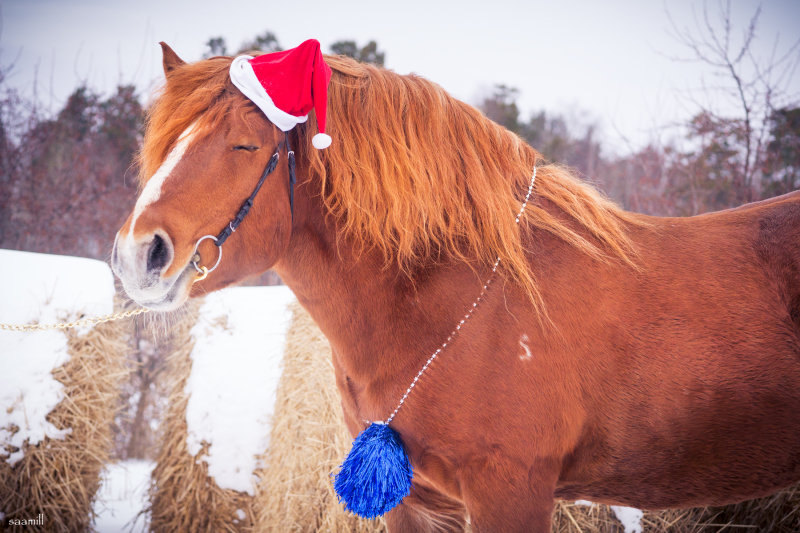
(205, 149)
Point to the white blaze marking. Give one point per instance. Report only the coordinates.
(152, 189)
(523, 342)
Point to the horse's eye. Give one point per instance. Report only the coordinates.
(246, 147)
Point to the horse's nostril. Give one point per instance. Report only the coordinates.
(158, 255)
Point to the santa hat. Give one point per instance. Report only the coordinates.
(287, 85)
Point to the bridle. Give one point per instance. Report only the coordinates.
(230, 228)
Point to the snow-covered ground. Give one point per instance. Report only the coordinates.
(45, 289)
(122, 495)
(240, 338)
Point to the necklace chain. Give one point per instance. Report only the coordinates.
(467, 316)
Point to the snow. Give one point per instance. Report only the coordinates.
(41, 288)
(122, 495)
(630, 517)
(239, 338)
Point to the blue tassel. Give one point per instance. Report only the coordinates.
(376, 474)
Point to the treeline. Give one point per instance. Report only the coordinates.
(68, 180)
(715, 170)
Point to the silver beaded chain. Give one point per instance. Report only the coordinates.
(466, 316)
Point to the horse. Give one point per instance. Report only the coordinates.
(616, 357)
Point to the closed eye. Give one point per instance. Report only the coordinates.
(246, 147)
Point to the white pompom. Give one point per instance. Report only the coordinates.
(321, 141)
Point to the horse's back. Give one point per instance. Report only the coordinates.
(743, 244)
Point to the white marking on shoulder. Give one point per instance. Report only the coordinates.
(152, 189)
(523, 342)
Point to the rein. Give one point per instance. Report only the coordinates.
(226, 232)
(82, 322)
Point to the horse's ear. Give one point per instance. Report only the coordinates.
(170, 59)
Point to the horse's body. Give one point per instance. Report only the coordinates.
(651, 362)
(674, 386)
(705, 376)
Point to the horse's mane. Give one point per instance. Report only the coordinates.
(412, 172)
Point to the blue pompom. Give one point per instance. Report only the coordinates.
(376, 474)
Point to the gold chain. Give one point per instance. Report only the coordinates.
(77, 323)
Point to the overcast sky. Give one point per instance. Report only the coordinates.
(606, 61)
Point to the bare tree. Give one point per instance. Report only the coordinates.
(755, 85)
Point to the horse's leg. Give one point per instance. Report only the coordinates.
(509, 497)
(426, 510)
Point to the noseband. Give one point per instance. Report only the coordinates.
(226, 232)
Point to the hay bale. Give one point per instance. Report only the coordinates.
(58, 390)
(779, 513)
(569, 517)
(57, 479)
(183, 497)
(307, 443)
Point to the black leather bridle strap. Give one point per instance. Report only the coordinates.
(292, 178)
(269, 169)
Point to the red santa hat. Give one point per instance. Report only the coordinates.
(287, 85)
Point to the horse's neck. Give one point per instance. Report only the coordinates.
(382, 326)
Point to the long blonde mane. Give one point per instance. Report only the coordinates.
(418, 174)
(413, 172)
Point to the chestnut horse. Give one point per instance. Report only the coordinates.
(619, 358)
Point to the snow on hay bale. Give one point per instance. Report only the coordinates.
(58, 390)
(224, 371)
(308, 442)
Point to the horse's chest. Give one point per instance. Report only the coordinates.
(356, 401)
(352, 394)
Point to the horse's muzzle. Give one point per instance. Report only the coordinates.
(140, 265)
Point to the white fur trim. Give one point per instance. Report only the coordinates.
(245, 79)
(321, 141)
